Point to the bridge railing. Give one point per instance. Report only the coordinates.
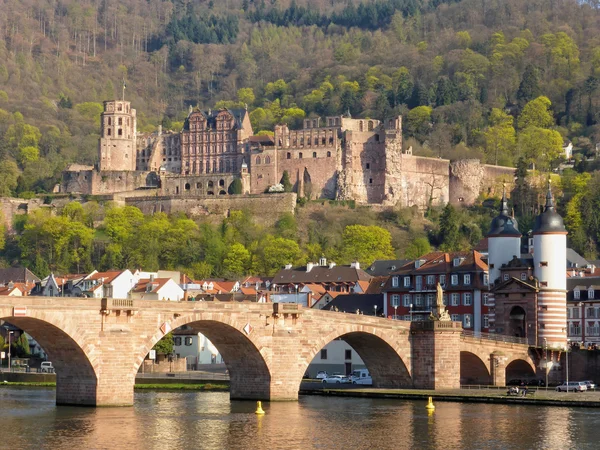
(495, 337)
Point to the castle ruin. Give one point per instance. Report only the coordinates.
(343, 158)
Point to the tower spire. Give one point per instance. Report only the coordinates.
(504, 207)
(549, 199)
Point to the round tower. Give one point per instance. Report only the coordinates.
(550, 265)
(504, 240)
(117, 148)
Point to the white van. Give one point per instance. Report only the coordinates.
(47, 367)
(361, 376)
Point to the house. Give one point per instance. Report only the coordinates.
(583, 309)
(326, 299)
(410, 292)
(113, 284)
(567, 149)
(196, 348)
(157, 289)
(17, 275)
(384, 267)
(11, 290)
(331, 276)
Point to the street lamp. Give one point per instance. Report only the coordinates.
(567, 358)
(546, 358)
(375, 310)
(9, 333)
(411, 305)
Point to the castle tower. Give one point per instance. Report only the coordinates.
(549, 259)
(504, 242)
(116, 149)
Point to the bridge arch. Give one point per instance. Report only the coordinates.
(474, 369)
(246, 360)
(72, 357)
(383, 353)
(518, 368)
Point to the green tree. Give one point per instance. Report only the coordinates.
(235, 188)
(418, 247)
(285, 181)
(536, 113)
(500, 137)
(529, 88)
(274, 253)
(286, 226)
(236, 261)
(540, 146)
(21, 346)
(366, 244)
(246, 95)
(165, 345)
(9, 173)
(449, 232)
(418, 121)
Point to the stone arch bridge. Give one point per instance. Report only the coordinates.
(98, 345)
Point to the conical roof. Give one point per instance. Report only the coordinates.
(504, 224)
(549, 221)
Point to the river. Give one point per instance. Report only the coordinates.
(29, 419)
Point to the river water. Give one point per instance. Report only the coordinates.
(29, 419)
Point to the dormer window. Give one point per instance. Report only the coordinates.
(394, 281)
(430, 279)
(467, 279)
(454, 280)
(523, 276)
(456, 262)
(590, 294)
(442, 279)
(486, 279)
(576, 294)
(406, 281)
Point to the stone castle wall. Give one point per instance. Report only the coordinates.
(91, 182)
(266, 208)
(469, 178)
(11, 207)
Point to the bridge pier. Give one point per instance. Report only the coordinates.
(435, 354)
(75, 390)
(498, 368)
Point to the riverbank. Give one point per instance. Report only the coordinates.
(540, 397)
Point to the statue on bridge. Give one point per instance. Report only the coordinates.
(440, 312)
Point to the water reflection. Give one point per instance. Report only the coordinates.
(162, 420)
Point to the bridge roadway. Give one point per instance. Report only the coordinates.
(98, 345)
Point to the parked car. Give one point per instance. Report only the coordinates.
(573, 386)
(47, 367)
(336, 378)
(590, 385)
(321, 374)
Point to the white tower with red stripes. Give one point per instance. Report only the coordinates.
(549, 258)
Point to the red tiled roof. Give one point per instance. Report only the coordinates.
(157, 284)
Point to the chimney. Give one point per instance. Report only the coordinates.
(288, 267)
(331, 265)
(355, 265)
(309, 266)
(151, 278)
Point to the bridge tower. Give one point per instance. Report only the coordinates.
(117, 147)
(504, 242)
(549, 259)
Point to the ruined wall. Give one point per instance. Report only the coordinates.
(362, 175)
(469, 178)
(11, 207)
(415, 180)
(92, 182)
(265, 208)
(263, 170)
(319, 172)
(197, 185)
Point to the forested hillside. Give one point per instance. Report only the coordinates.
(500, 80)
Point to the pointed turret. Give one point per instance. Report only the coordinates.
(549, 221)
(504, 224)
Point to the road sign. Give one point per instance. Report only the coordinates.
(152, 354)
(19, 311)
(165, 327)
(2, 355)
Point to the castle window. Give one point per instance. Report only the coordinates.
(198, 186)
(330, 140)
(314, 154)
(376, 138)
(221, 182)
(120, 132)
(302, 140)
(360, 126)
(120, 121)
(337, 120)
(108, 132)
(120, 107)
(210, 184)
(289, 155)
(214, 169)
(268, 160)
(294, 141)
(368, 165)
(300, 155)
(370, 125)
(329, 154)
(315, 123)
(258, 160)
(316, 141)
(207, 166)
(370, 180)
(187, 186)
(227, 166)
(109, 121)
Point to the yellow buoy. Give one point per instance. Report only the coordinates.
(259, 409)
(430, 406)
